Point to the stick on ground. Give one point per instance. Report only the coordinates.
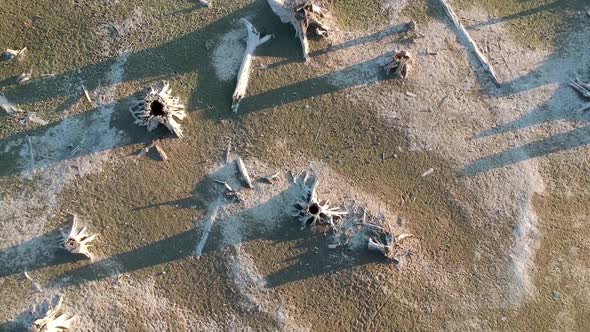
(252, 42)
(470, 43)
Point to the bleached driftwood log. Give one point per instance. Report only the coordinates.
(77, 241)
(310, 210)
(24, 77)
(470, 42)
(159, 107)
(244, 172)
(7, 107)
(584, 89)
(55, 320)
(11, 54)
(253, 41)
(304, 16)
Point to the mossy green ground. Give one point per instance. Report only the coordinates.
(319, 122)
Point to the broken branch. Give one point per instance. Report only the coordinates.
(244, 172)
(470, 43)
(253, 41)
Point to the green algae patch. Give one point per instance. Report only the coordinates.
(358, 14)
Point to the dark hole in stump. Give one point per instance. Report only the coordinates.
(314, 208)
(157, 108)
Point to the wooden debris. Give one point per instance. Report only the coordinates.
(428, 172)
(7, 107)
(208, 223)
(401, 64)
(24, 77)
(253, 41)
(55, 320)
(36, 286)
(470, 43)
(387, 243)
(87, 95)
(244, 172)
(32, 155)
(159, 107)
(77, 240)
(33, 118)
(270, 178)
(304, 16)
(230, 193)
(227, 153)
(10, 54)
(155, 144)
(310, 210)
(160, 151)
(146, 149)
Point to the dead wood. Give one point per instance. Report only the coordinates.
(253, 41)
(470, 42)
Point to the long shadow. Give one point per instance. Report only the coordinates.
(375, 37)
(549, 72)
(360, 74)
(37, 253)
(553, 6)
(166, 61)
(556, 143)
(182, 246)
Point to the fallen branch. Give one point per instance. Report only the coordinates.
(226, 155)
(7, 107)
(86, 94)
(24, 77)
(244, 172)
(161, 151)
(208, 224)
(33, 282)
(230, 193)
(253, 41)
(470, 43)
(270, 178)
(32, 156)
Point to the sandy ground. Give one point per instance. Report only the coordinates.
(499, 223)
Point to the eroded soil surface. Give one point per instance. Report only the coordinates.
(491, 180)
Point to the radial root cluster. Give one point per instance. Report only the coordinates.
(400, 64)
(310, 209)
(159, 107)
(304, 16)
(383, 239)
(77, 240)
(55, 320)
